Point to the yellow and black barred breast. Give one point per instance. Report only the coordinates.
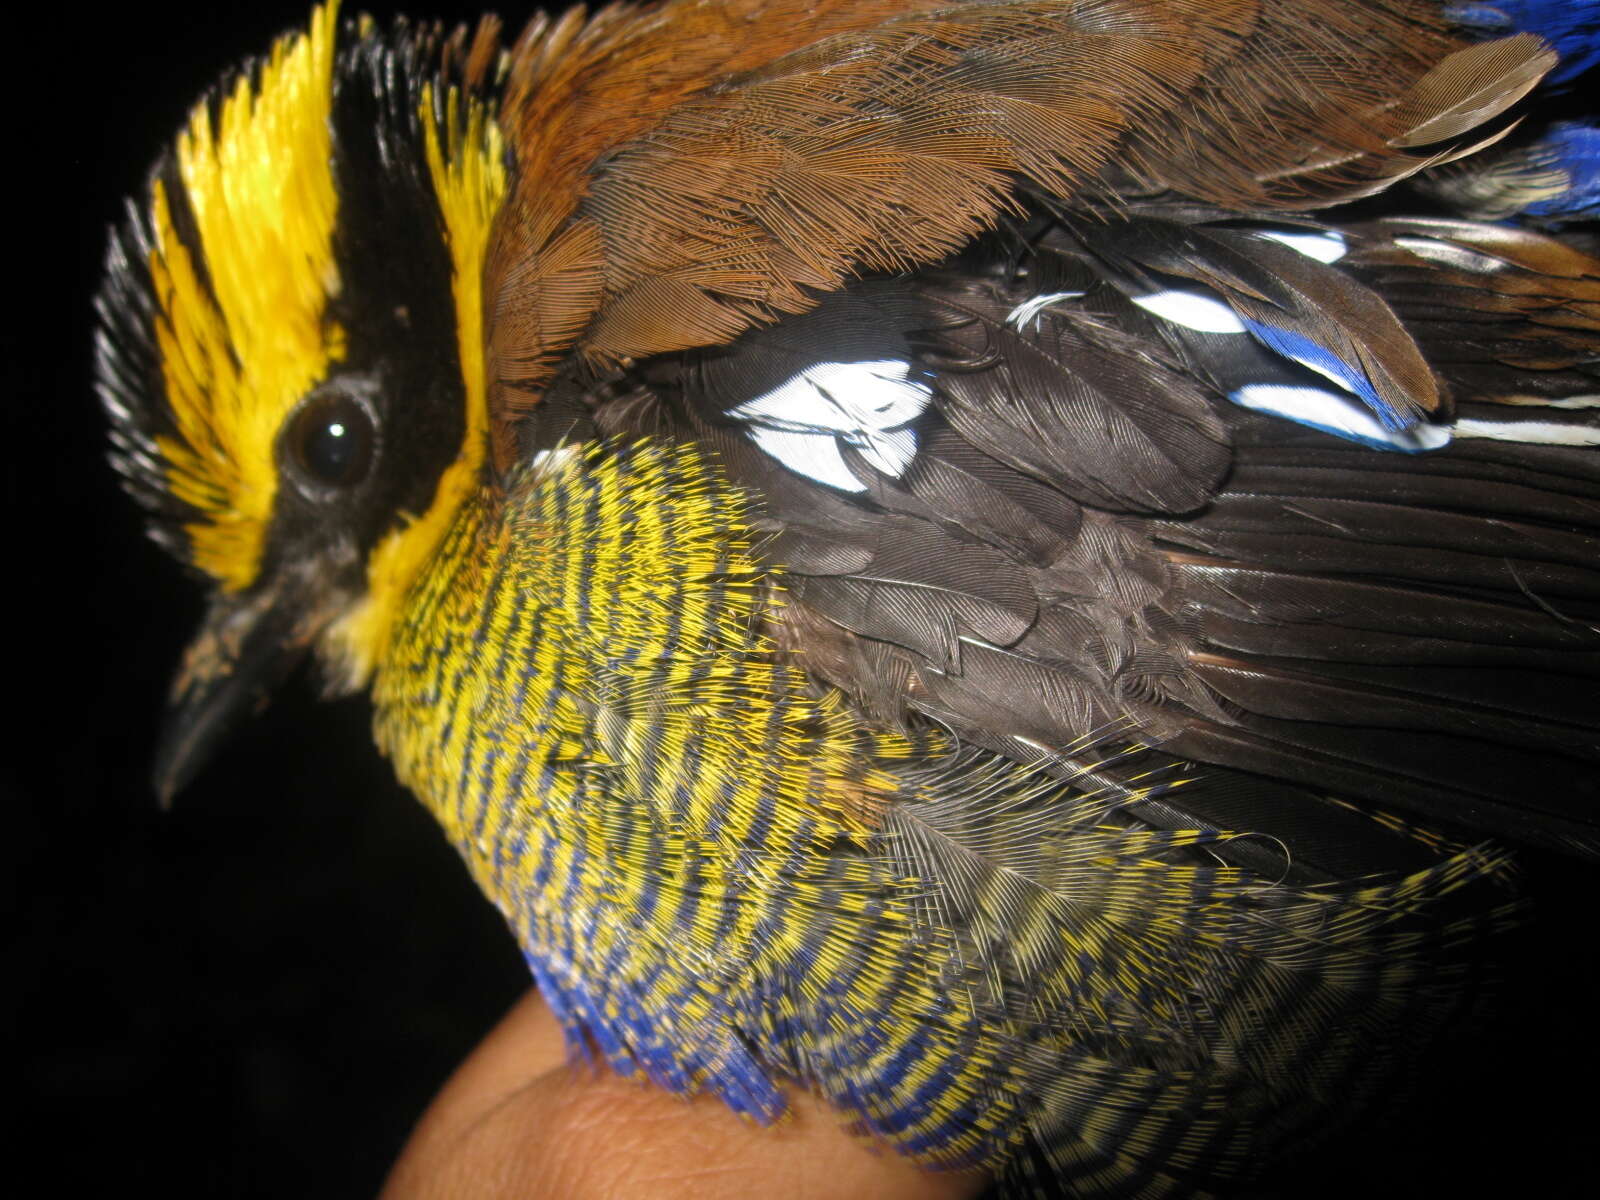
(724, 880)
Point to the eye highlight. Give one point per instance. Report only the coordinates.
(331, 440)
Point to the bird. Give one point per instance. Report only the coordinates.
(1014, 565)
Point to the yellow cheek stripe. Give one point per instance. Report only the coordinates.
(469, 179)
(260, 186)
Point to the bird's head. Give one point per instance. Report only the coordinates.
(291, 349)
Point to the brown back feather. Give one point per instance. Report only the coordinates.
(687, 171)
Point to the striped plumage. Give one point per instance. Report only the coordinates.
(725, 872)
(820, 508)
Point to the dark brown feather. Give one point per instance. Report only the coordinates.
(1505, 315)
(1420, 629)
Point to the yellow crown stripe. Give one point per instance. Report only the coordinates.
(260, 187)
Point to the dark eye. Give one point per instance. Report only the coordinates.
(331, 439)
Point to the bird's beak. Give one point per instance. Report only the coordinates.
(246, 647)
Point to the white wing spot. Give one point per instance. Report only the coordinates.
(1548, 433)
(1027, 313)
(1326, 247)
(814, 455)
(890, 452)
(1337, 413)
(1192, 309)
(868, 406)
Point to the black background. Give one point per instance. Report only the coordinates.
(255, 994)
